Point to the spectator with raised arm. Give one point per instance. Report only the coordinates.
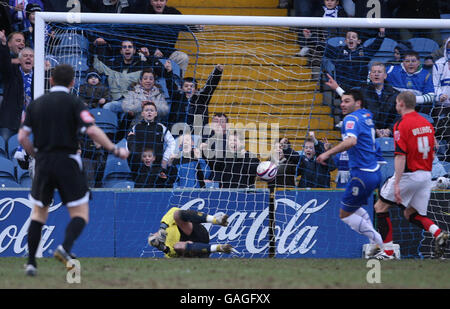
(16, 42)
(379, 96)
(214, 145)
(17, 87)
(239, 164)
(19, 16)
(287, 160)
(351, 60)
(313, 174)
(124, 70)
(189, 101)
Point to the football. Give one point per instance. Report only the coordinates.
(267, 170)
(442, 183)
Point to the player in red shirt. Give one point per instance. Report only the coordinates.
(410, 186)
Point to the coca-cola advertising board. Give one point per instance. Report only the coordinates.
(306, 223)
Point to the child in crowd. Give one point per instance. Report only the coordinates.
(187, 166)
(149, 133)
(314, 174)
(313, 41)
(93, 92)
(147, 175)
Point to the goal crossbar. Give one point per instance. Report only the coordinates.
(43, 17)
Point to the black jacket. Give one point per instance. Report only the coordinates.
(13, 92)
(382, 107)
(146, 135)
(239, 172)
(182, 109)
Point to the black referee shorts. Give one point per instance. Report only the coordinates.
(199, 234)
(59, 171)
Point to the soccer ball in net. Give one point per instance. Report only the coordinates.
(267, 170)
(442, 183)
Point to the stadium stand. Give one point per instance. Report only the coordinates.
(3, 151)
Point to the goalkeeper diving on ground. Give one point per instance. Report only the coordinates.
(182, 234)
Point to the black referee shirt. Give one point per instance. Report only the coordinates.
(55, 119)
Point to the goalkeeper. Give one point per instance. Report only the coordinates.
(181, 234)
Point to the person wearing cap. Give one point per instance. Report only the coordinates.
(93, 92)
(28, 32)
(18, 10)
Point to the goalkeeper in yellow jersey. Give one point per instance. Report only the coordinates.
(181, 234)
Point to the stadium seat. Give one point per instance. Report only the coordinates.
(446, 166)
(71, 43)
(116, 169)
(386, 49)
(442, 149)
(7, 169)
(119, 184)
(336, 41)
(105, 119)
(423, 46)
(427, 117)
(13, 143)
(8, 183)
(77, 61)
(3, 151)
(386, 145)
(23, 177)
(387, 170)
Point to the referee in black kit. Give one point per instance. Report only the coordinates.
(55, 120)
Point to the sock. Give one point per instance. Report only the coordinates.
(73, 230)
(363, 227)
(384, 227)
(198, 247)
(34, 237)
(425, 223)
(193, 216)
(362, 213)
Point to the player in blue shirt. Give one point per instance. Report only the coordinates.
(358, 139)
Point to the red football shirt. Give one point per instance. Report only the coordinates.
(414, 137)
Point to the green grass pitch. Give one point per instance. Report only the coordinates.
(147, 273)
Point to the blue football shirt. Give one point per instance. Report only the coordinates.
(363, 155)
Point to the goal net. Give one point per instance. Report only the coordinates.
(231, 93)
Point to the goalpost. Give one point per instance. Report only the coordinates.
(268, 91)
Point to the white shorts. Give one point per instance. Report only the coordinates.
(415, 190)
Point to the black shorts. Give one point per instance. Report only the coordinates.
(59, 171)
(199, 234)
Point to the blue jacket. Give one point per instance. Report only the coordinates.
(351, 67)
(189, 173)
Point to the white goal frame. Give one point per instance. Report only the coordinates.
(43, 17)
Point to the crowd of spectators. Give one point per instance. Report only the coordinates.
(144, 83)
